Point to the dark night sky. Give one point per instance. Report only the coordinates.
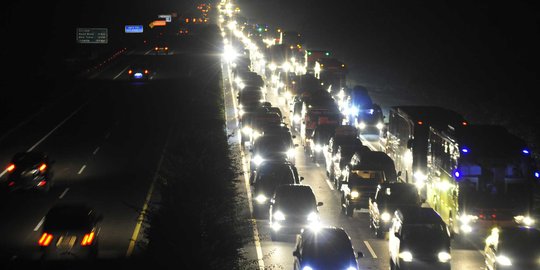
(485, 52)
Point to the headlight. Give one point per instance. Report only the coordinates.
(291, 153)
(385, 217)
(307, 268)
(318, 148)
(353, 111)
(312, 216)
(466, 219)
(261, 198)
(503, 260)
(258, 160)
(380, 126)
(525, 220)
(278, 215)
(406, 256)
(362, 125)
(296, 118)
(241, 112)
(351, 268)
(247, 130)
(272, 66)
(444, 256)
(355, 194)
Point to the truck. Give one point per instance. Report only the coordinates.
(479, 176)
(312, 55)
(360, 110)
(406, 138)
(332, 73)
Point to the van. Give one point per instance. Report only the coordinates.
(419, 239)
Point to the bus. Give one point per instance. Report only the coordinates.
(406, 138)
(479, 176)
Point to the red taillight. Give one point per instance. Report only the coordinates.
(88, 239)
(42, 167)
(493, 216)
(464, 123)
(146, 71)
(11, 167)
(42, 183)
(11, 183)
(420, 122)
(166, 48)
(45, 239)
(156, 48)
(130, 71)
(481, 216)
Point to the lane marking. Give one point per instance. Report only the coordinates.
(39, 224)
(107, 135)
(330, 185)
(63, 193)
(121, 72)
(50, 132)
(370, 250)
(82, 169)
(95, 151)
(258, 247)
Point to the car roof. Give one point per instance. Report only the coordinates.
(308, 233)
(69, 209)
(418, 215)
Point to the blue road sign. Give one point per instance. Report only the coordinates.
(133, 28)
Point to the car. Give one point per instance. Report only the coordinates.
(512, 247)
(70, 231)
(266, 179)
(32, 170)
(341, 159)
(139, 73)
(292, 208)
(319, 139)
(326, 247)
(277, 147)
(388, 197)
(161, 48)
(419, 239)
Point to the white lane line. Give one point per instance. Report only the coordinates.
(318, 165)
(369, 144)
(50, 132)
(370, 250)
(95, 151)
(39, 224)
(107, 135)
(82, 169)
(329, 184)
(121, 72)
(63, 193)
(258, 247)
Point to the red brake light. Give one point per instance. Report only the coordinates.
(130, 71)
(146, 71)
(156, 48)
(42, 167)
(88, 239)
(464, 123)
(420, 122)
(11, 167)
(45, 239)
(42, 183)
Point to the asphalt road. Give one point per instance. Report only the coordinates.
(107, 135)
(268, 254)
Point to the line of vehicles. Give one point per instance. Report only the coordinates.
(433, 175)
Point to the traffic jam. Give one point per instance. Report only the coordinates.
(334, 180)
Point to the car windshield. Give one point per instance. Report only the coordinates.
(67, 222)
(271, 144)
(333, 246)
(520, 243)
(271, 176)
(27, 159)
(400, 195)
(416, 234)
(295, 200)
(364, 177)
